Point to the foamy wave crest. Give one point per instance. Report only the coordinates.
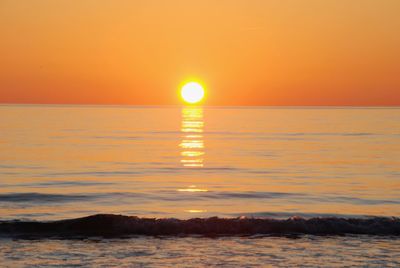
(108, 225)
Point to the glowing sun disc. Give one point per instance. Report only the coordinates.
(192, 92)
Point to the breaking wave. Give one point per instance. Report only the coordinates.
(109, 225)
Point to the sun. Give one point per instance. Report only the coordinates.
(192, 92)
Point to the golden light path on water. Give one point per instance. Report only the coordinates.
(192, 146)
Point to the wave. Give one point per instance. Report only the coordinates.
(109, 225)
(19, 167)
(31, 198)
(55, 184)
(41, 198)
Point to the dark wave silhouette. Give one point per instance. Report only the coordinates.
(108, 225)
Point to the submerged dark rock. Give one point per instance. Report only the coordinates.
(109, 225)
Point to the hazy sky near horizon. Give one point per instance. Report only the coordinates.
(246, 52)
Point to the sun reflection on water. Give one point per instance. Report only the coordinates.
(192, 148)
(192, 143)
(193, 190)
(196, 211)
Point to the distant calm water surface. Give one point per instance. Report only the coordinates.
(68, 161)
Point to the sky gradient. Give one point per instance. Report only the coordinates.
(246, 52)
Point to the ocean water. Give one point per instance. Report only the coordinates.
(64, 162)
(306, 251)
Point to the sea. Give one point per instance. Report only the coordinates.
(196, 186)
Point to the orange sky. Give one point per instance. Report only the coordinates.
(247, 52)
